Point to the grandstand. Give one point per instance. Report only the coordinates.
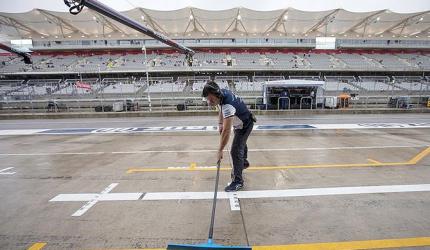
(309, 61)
(376, 63)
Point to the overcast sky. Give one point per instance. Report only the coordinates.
(402, 6)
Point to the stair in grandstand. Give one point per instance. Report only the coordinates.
(356, 85)
(399, 86)
(141, 91)
(372, 62)
(338, 63)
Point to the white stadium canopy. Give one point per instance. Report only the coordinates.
(39, 24)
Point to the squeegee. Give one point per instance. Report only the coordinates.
(210, 245)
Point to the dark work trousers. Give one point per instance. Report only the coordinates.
(239, 151)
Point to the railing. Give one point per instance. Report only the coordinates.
(369, 101)
(276, 67)
(322, 102)
(284, 98)
(306, 98)
(169, 103)
(262, 103)
(187, 101)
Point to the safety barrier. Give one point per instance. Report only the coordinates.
(167, 103)
(286, 98)
(306, 98)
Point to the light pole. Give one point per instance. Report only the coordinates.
(101, 87)
(147, 78)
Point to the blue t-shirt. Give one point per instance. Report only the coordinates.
(233, 105)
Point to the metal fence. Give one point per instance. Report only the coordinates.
(197, 103)
(81, 94)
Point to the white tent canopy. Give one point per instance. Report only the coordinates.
(40, 24)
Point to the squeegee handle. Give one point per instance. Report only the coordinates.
(211, 227)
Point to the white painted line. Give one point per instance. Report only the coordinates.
(270, 149)
(120, 197)
(413, 117)
(234, 201)
(183, 196)
(2, 172)
(257, 194)
(20, 131)
(371, 125)
(214, 150)
(289, 193)
(277, 127)
(85, 208)
(5, 169)
(99, 197)
(92, 202)
(109, 188)
(53, 153)
(75, 197)
(336, 148)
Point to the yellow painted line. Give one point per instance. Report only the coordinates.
(412, 161)
(353, 245)
(374, 161)
(344, 245)
(264, 168)
(128, 248)
(37, 246)
(420, 156)
(193, 165)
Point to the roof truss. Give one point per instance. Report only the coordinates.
(235, 23)
(323, 22)
(105, 22)
(19, 26)
(154, 25)
(195, 22)
(404, 23)
(364, 22)
(61, 23)
(278, 22)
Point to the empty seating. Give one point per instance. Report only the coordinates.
(203, 60)
(166, 87)
(249, 87)
(320, 61)
(418, 61)
(389, 61)
(339, 86)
